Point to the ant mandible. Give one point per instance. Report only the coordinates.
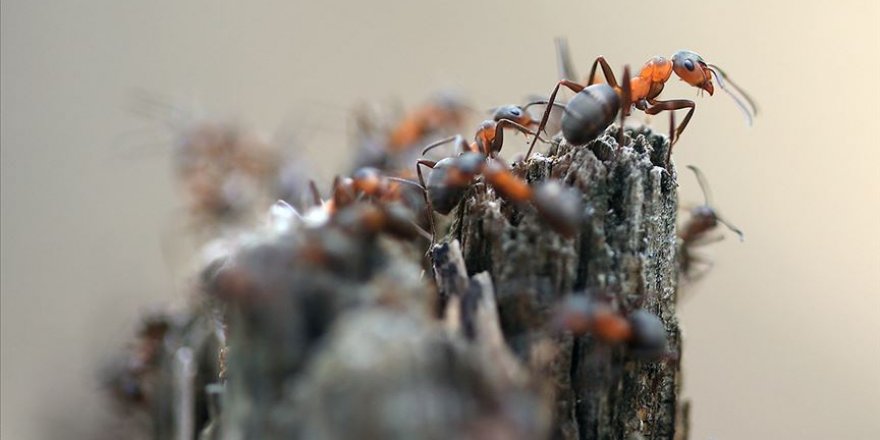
(704, 218)
(595, 105)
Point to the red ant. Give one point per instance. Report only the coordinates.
(387, 214)
(641, 330)
(130, 380)
(449, 178)
(595, 105)
(704, 218)
(443, 111)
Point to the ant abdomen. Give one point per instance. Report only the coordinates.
(589, 113)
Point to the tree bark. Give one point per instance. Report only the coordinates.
(625, 253)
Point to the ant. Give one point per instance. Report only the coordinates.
(704, 218)
(641, 330)
(130, 378)
(449, 178)
(388, 213)
(595, 105)
(446, 110)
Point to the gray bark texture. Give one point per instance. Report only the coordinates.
(624, 253)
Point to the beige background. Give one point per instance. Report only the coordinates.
(783, 339)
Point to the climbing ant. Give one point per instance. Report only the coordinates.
(595, 105)
(704, 218)
(449, 178)
(641, 330)
(387, 212)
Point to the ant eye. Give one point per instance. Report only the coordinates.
(689, 65)
(515, 111)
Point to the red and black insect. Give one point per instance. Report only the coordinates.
(642, 331)
(596, 105)
(450, 178)
(371, 202)
(444, 112)
(695, 232)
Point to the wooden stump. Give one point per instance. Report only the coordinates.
(624, 253)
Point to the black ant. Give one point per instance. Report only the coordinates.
(704, 218)
(596, 105)
(449, 178)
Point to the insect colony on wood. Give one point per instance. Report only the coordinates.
(389, 194)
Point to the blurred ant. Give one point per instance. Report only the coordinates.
(449, 178)
(444, 111)
(704, 218)
(642, 331)
(595, 105)
(387, 212)
(129, 380)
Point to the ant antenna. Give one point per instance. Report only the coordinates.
(734, 229)
(704, 185)
(563, 60)
(406, 181)
(432, 235)
(749, 108)
(459, 140)
(544, 102)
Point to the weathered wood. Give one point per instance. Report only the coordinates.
(332, 336)
(331, 330)
(624, 253)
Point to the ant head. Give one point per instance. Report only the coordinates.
(704, 217)
(705, 214)
(512, 112)
(649, 339)
(691, 68)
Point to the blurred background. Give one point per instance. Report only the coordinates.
(782, 338)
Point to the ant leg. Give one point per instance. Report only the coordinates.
(316, 195)
(571, 85)
(341, 194)
(429, 164)
(421, 187)
(523, 129)
(606, 69)
(498, 142)
(676, 104)
(706, 240)
(707, 263)
(671, 138)
(624, 104)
